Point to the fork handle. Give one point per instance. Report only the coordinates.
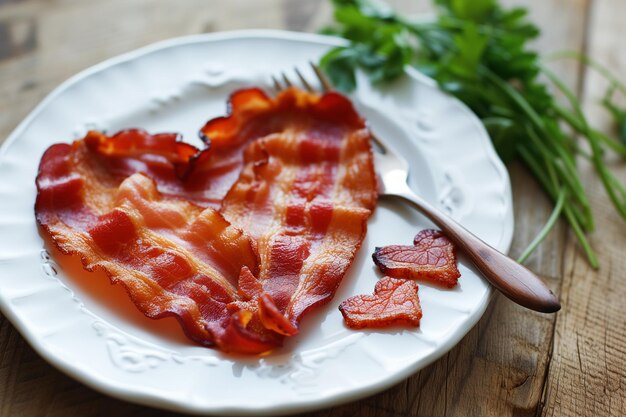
(511, 278)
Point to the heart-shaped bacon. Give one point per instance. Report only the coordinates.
(394, 303)
(432, 258)
(237, 241)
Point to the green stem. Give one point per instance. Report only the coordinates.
(556, 170)
(601, 69)
(591, 256)
(568, 169)
(547, 228)
(608, 180)
(552, 189)
(575, 124)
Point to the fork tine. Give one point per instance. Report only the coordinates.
(378, 144)
(277, 86)
(304, 82)
(326, 85)
(286, 80)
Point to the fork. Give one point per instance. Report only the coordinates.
(511, 278)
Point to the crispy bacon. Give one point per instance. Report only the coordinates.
(394, 303)
(180, 170)
(432, 258)
(295, 173)
(305, 193)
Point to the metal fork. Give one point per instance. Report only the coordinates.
(509, 277)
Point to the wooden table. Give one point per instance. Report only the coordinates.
(513, 363)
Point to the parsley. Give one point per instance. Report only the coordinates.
(478, 51)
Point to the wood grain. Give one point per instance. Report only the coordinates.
(587, 373)
(510, 364)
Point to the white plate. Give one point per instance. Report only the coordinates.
(89, 330)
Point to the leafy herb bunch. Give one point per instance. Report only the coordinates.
(477, 51)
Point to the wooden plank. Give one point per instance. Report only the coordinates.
(588, 369)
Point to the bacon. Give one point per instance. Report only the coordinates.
(305, 192)
(172, 257)
(394, 303)
(295, 173)
(179, 169)
(432, 258)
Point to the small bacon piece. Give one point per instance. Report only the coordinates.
(255, 324)
(260, 305)
(432, 258)
(394, 303)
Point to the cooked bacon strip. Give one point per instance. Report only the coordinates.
(295, 173)
(180, 170)
(173, 258)
(432, 258)
(394, 303)
(305, 193)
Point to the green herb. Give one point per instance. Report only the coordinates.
(615, 87)
(619, 114)
(478, 51)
